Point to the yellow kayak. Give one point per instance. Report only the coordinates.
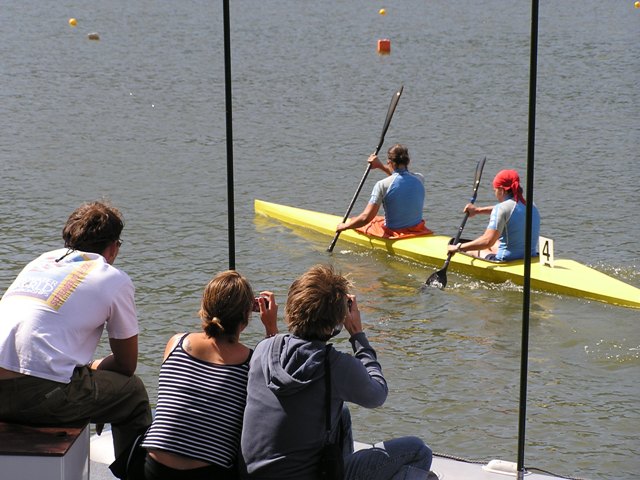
(567, 277)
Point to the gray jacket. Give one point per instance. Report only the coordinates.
(284, 420)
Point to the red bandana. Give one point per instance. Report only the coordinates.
(510, 181)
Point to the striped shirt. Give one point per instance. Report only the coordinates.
(200, 408)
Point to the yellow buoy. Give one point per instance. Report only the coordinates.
(382, 11)
(637, 4)
(73, 22)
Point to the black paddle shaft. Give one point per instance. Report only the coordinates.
(387, 121)
(439, 278)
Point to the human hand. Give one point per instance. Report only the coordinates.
(375, 162)
(471, 209)
(453, 249)
(341, 227)
(352, 321)
(268, 312)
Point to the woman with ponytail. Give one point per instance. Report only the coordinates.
(202, 387)
(504, 238)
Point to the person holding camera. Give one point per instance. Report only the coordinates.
(195, 433)
(285, 432)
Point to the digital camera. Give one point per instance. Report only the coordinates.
(256, 303)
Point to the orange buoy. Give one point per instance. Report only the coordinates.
(384, 46)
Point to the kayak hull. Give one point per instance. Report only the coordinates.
(567, 277)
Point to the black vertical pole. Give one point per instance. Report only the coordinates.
(227, 83)
(526, 297)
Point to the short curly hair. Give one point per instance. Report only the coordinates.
(92, 227)
(317, 303)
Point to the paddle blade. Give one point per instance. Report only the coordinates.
(333, 242)
(437, 279)
(387, 120)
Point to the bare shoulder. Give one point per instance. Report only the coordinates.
(171, 344)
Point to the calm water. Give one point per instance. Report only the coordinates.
(139, 117)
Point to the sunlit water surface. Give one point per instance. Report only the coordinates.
(139, 117)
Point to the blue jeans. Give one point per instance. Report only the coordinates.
(404, 458)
